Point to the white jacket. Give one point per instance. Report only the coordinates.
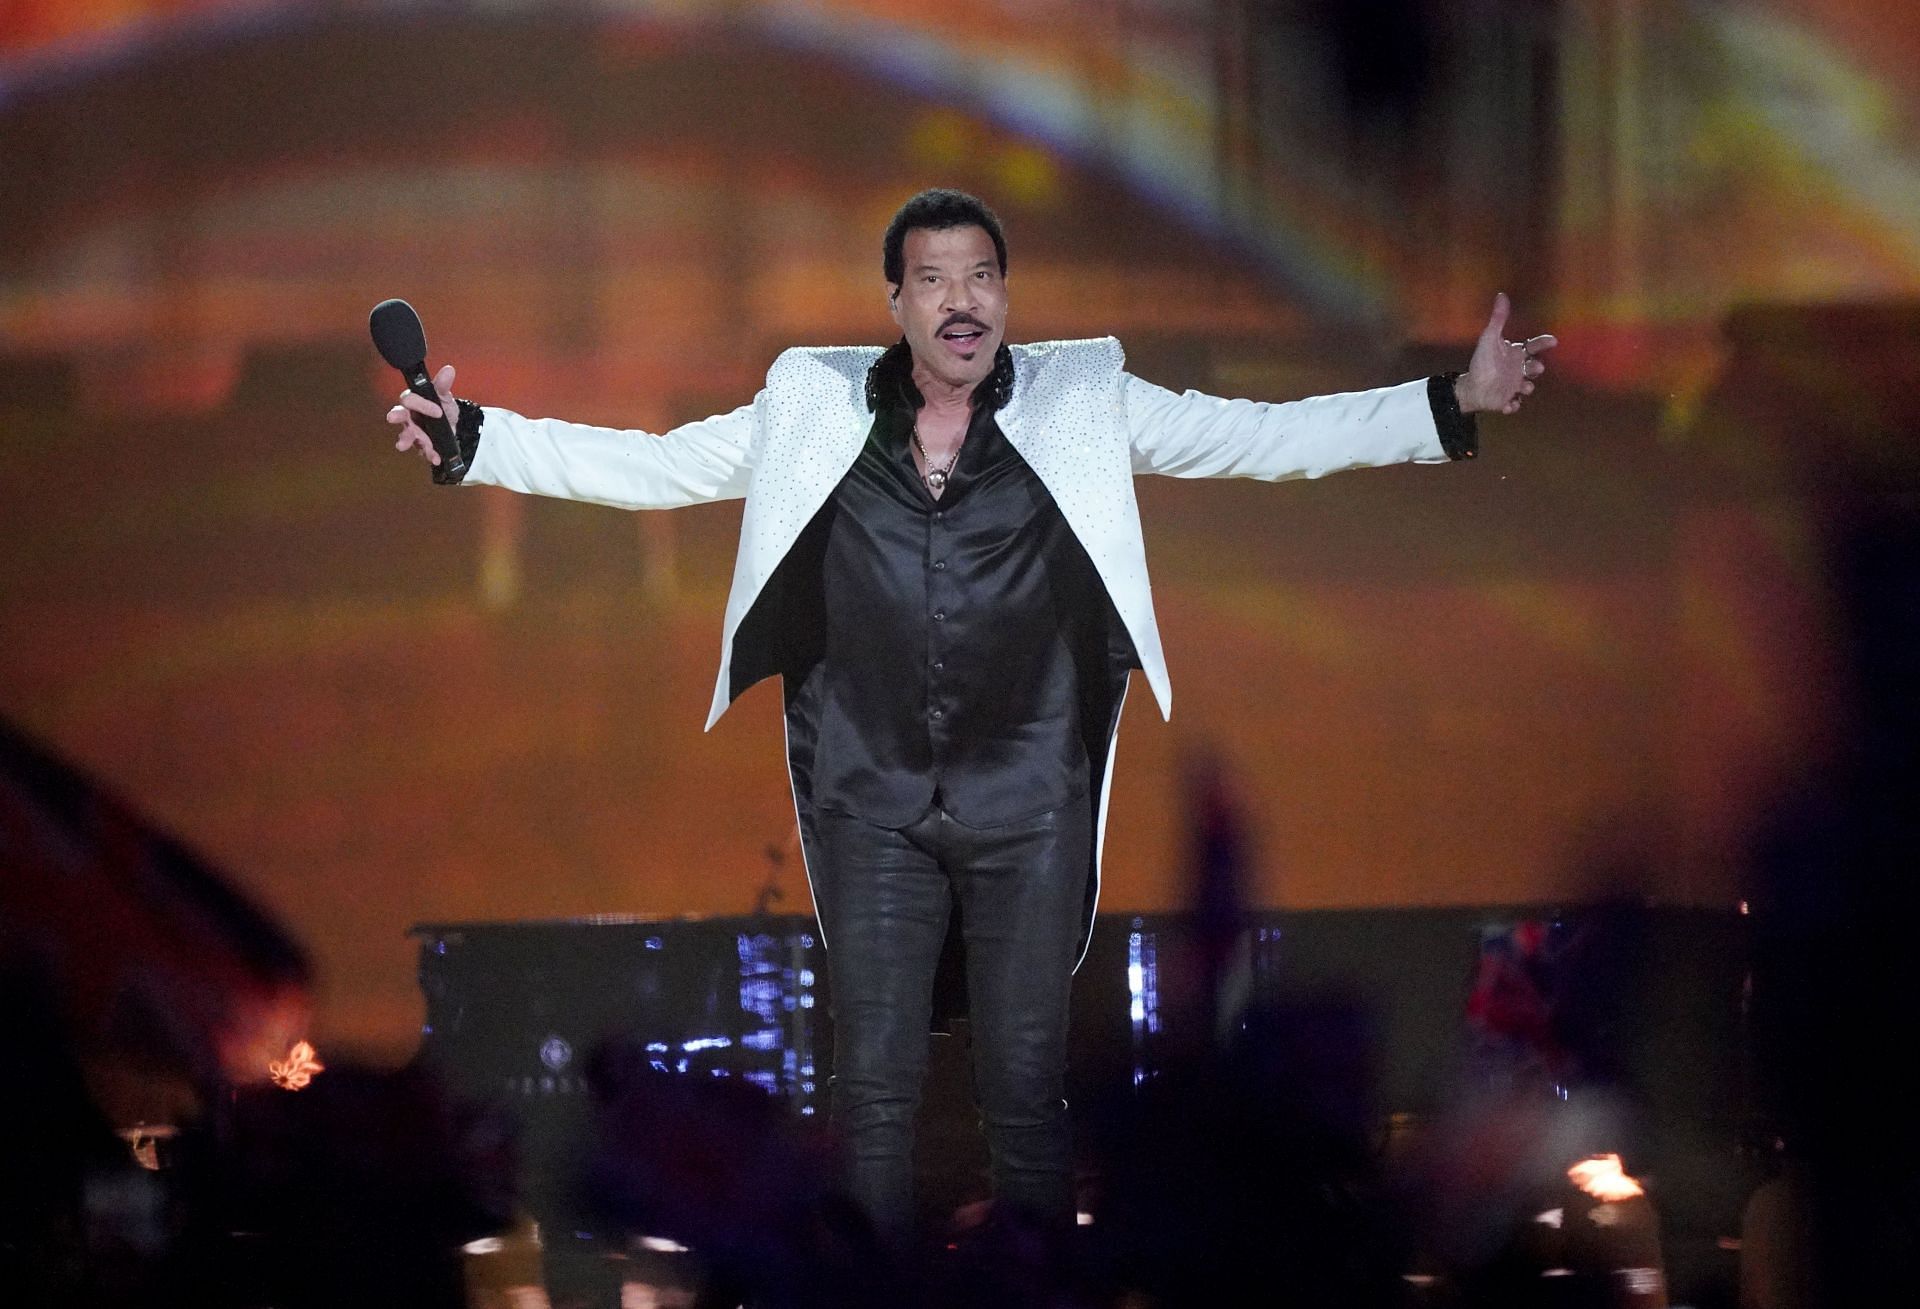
(1082, 423)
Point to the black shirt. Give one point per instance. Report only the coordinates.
(956, 636)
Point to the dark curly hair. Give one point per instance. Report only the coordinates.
(937, 210)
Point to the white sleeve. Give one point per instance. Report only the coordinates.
(1196, 435)
(695, 463)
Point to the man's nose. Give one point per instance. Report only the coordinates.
(959, 295)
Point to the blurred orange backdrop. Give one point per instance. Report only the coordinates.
(1586, 656)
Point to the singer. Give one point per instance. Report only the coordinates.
(941, 558)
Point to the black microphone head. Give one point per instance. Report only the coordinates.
(397, 334)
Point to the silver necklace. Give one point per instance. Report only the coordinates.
(937, 477)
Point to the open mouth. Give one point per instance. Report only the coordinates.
(963, 338)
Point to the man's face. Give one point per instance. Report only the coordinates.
(952, 307)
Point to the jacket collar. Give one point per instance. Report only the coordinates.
(890, 380)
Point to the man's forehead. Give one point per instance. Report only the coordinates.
(969, 244)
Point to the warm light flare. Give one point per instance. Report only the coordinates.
(257, 1028)
(1601, 1177)
(297, 1069)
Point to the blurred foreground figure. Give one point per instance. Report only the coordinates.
(941, 557)
(1836, 973)
(146, 945)
(135, 985)
(142, 997)
(723, 1168)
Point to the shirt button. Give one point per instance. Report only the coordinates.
(939, 565)
(939, 515)
(939, 713)
(939, 615)
(939, 665)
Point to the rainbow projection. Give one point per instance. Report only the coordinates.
(1582, 658)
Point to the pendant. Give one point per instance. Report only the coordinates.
(936, 479)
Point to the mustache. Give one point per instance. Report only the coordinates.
(962, 320)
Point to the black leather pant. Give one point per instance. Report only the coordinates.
(884, 897)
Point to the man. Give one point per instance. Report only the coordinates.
(941, 557)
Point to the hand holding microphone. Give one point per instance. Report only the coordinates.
(427, 414)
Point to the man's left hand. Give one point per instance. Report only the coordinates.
(1502, 372)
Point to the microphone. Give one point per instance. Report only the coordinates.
(402, 342)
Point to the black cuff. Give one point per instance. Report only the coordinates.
(1459, 434)
(467, 433)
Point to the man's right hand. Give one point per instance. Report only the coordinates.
(401, 416)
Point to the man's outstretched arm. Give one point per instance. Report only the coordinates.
(693, 464)
(1426, 421)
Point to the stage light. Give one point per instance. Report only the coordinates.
(297, 1070)
(1601, 1177)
